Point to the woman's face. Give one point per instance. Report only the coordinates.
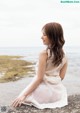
(45, 39)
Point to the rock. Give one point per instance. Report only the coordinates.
(72, 107)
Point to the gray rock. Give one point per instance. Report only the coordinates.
(72, 107)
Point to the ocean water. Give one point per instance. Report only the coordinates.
(29, 53)
(32, 53)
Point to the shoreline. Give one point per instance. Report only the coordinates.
(13, 68)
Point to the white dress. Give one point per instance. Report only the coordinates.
(51, 93)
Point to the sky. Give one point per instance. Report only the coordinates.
(21, 21)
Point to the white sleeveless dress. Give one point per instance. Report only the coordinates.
(51, 93)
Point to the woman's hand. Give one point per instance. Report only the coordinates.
(18, 101)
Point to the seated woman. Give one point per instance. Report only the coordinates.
(46, 90)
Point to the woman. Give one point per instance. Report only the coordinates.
(46, 90)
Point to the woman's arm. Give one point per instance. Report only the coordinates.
(40, 73)
(63, 71)
(36, 81)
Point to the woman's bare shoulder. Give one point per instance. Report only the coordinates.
(43, 54)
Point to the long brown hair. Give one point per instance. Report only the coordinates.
(54, 32)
